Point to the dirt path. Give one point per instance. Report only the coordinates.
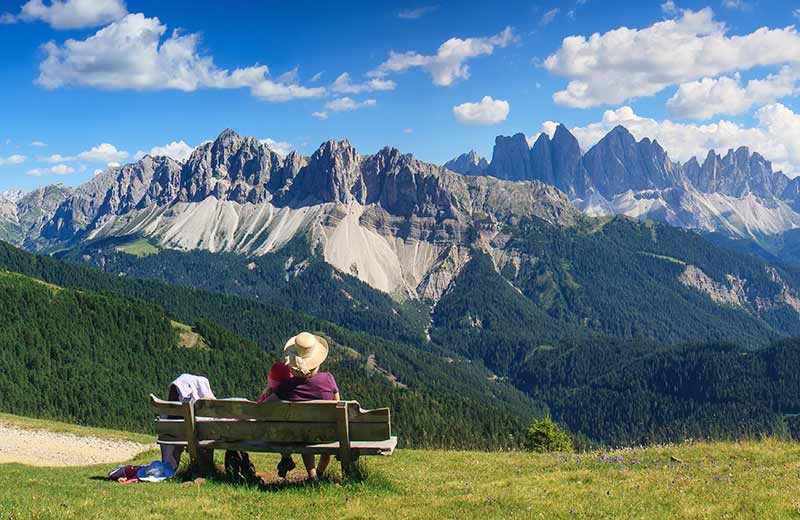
(46, 448)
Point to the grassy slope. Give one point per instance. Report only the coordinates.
(712, 480)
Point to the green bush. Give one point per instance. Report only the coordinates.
(544, 435)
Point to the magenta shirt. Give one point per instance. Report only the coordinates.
(321, 385)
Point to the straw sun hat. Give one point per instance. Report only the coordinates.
(305, 353)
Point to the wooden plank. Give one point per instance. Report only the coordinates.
(191, 437)
(171, 428)
(343, 430)
(305, 411)
(162, 407)
(285, 432)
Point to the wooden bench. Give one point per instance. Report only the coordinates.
(338, 428)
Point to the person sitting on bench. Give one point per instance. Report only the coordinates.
(304, 355)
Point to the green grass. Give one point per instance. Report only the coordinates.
(188, 338)
(754, 479)
(140, 247)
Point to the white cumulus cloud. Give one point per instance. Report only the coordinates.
(39, 144)
(58, 169)
(130, 54)
(726, 95)
(776, 135)
(320, 115)
(346, 104)
(626, 63)
(69, 14)
(178, 150)
(449, 62)
(103, 153)
(281, 148)
(487, 111)
(13, 159)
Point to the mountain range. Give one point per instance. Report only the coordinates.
(393, 221)
(402, 226)
(736, 194)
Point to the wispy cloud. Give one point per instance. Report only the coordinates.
(13, 159)
(346, 104)
(344, 85)
(58, 169)
(549, 16)
(450, 61)
(417, 12)
(739, 5)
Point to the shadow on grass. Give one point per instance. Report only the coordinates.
(270, 482)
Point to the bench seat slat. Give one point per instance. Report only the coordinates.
(305, 411)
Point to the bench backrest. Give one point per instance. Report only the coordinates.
(271, 421)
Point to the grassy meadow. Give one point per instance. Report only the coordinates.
(755, 479)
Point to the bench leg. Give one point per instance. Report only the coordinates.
(351, 470)
(205, 462)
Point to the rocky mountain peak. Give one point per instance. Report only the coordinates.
(563, 135)
(227, 136)
(511, 158)
(469, 163)
(621, 133)
(332, 174)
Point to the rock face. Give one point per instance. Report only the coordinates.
(511, 158)
(738, 174)
(617, 163)
(22, 215)
(557, 161)
(401, 225)
(469, 163)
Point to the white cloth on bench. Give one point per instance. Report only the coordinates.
(192, 387)
(189, 387)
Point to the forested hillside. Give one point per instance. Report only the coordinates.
(628, 392)
(442, 399)
(618, 278)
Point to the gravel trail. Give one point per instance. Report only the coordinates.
(50, 449)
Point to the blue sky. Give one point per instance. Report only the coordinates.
(92, 104)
